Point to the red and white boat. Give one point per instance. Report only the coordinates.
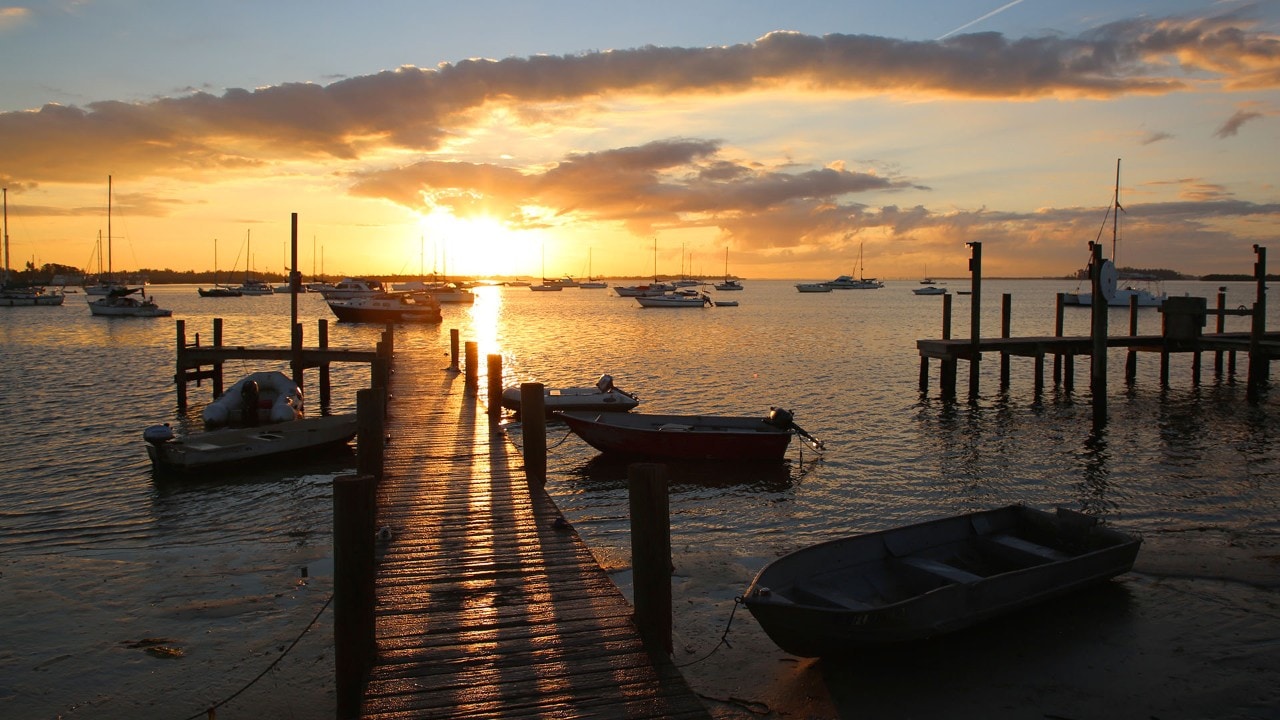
(388, 308)
(688, 437)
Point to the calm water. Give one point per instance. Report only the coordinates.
(100, 562)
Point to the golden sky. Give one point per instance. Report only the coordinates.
(792, 151)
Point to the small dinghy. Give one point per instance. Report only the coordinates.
(219, 449)
(836, 598)
(604, 396)
(688, 437)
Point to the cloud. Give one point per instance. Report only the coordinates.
(1232, 126)
(1155, 137)
(12, 17)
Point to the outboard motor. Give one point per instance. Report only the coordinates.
(783, 419)
(158, 434)
(605, 383)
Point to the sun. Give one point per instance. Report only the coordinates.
(478, 247)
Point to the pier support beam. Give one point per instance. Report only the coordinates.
(353, 597)
(453, 349)
(651, 555)
(947, 367)
(472, 369)
(1098, 333)
(533, 421)
(1259, 363)
(1131, 361)
(1057, 332)
(1006, 320)
(975, 319)
(495, 388)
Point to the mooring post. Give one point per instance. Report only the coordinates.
(354, 642)
(1259, 365)
(651, 555)
(1098, 327)
(1220, 328)
(1006, 321)
(495, 387)
(533, 421)
(295, 362)
(1131, 361)
(472, 362)
(371, 415)
(217, 366)
(180, 367)
(322, 340)
(975, 319)
(948, 367)
(453, 349)
(1057, 332)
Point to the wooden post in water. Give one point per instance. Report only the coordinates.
(354, 642)
(1057, 332)
(453, 349)
(495, 387)
(371, 415)
(1220, 328)
(472, 369)
(1006, 321)
(217, 367)
(651, 555)
(295, 352)
(180, 371)
(299, 368)
(1131, 360)
(533, 420)
(947, 368)
(1259, 364)
(322, 339)
(975, 319)
(1098, 329)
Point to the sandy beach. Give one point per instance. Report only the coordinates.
(1192, 632)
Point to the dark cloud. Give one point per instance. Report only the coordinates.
(1232, 126)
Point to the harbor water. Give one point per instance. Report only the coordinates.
(129, 596)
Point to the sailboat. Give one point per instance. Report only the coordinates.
(591, 283)
(546, 286)
(1115, 295)
(847, 282)
(106, 284)
(118, 300)
(12, 296)
(728, 283)
(218, 290)
(650, 290)
(251, 286)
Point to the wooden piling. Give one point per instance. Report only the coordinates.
(1006, 321)
(975, 319)
(326, 390)
(533, 422)
(453, 349)
(947, 368)
(1259, 363)
(353, 597)
(1059, 304)
(472, 360)
(217, 367)
(495, 387)
(1098, 333)
(1131, 360)
(179, 376)
(371, 414)
(651, 555)
(1220, 328)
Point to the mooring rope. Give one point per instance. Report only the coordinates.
(724, 637)
(209, 711)
(554, 445)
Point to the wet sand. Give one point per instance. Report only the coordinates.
(1192, 632)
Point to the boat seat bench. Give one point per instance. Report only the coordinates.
(1026, 547)
(950, 573)
(827, 595)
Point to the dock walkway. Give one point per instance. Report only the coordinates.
(485, 608)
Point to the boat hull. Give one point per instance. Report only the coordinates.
(393, 308)
(584, 398)
(229, 447)
(679, 437)
(919, 581)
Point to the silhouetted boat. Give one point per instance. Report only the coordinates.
(687, 437)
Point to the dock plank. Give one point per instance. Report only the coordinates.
(485, 607)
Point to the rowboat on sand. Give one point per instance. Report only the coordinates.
(914, 582)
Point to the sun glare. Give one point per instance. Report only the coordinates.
(480, 246)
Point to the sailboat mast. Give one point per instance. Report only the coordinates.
(110, 269)
(1115, 219)
(6, 235)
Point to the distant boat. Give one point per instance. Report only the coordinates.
(813, 287)
(839, 598)
(930, 290)
(250, 285)
(591, 283)
(676, 300)
(352, 288)
(122, 303)
(218, 290)
(388, 308)
(12, 296)
(848, 282)
(728, 283)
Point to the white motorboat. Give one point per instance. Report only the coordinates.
(219, 449)
(122, 303)
(648, 290)
(604, 396)
(352, 288)
(388, 307)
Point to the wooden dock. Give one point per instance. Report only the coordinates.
(486, 606)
